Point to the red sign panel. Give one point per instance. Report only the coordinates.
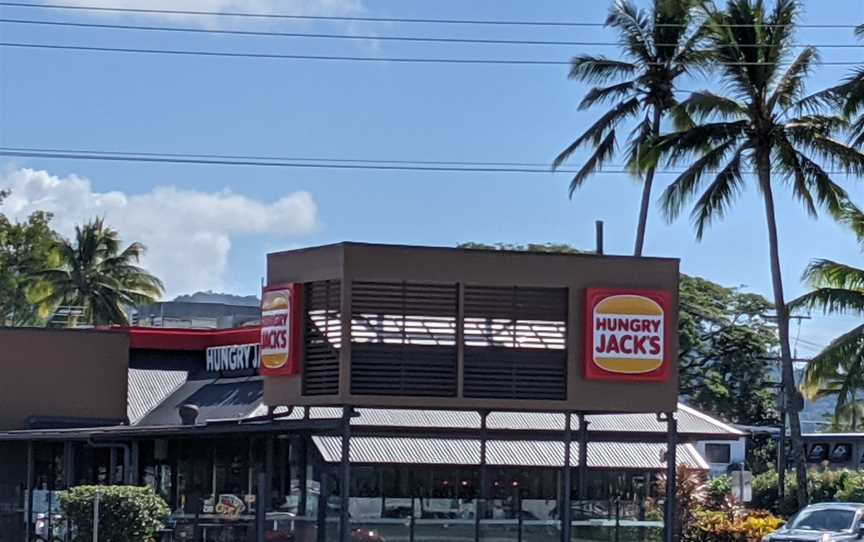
(627, 335)
(281, 317)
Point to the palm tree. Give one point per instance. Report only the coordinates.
(849, 95)
(658, 47)
(95, 274)
(765, 123)
(838, 370)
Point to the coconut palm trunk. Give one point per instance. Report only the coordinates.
(645, 204)
(790, 390)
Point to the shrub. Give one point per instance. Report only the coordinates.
(765, 494)
(823, 486)
(126, 514)
(718, 492)
(734, 526)
(852, 489)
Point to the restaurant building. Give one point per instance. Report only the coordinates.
(456, 394)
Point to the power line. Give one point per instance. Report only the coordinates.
(219, 160)
(348, 58)
(368, 37)
(378, 19)
(316, 162)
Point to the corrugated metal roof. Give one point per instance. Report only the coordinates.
(216, 399)
(148, 388)
(690, 421)
(613, 455)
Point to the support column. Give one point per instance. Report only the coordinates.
(345, 476)
(29, 504)
(263, 494)
(135, 467)
(583, 457)
(669, 516)
(566, 480)
(481, 489)
(302, 468)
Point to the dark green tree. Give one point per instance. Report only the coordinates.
(764, 122)
(726, 346)
(658, 47)
(25, 248)
(95, 274)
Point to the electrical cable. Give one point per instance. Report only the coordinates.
(357, 18)
(401, 60)
(368, 37)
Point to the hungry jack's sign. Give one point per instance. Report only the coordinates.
(281, 315)
(627, 335)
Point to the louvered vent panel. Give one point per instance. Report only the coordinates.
(515, 343)
(323, 337)
(403, 339)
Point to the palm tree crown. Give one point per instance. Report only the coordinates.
(838, 370)
(765, 122)
(96, 275)
(658, 47)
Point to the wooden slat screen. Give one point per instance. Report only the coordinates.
(515, 342)
(323, 337)
(403, 339)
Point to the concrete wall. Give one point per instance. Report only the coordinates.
(62, 374)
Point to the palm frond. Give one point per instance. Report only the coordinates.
(679, 145)
(852, 217)
(606, 94)
(828, 273)
(792, 169)
(597, 131)
(830, 300)
(634, 30)
(603, 152)
(704, 104)
(682, 188)
(791, 84)
(717, 198)
(599, 70)
(833, 362)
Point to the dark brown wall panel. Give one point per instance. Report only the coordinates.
(62, 374)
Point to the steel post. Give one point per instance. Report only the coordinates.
(345, 477)
(671, 478)
(566, 480)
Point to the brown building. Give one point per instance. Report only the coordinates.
(480, 395)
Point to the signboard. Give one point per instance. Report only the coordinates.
(238, 357)
(281, 317)
(626, 335)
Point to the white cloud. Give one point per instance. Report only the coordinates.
(188, 233)
(296, 7)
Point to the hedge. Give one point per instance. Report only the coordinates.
(126, 513)
(823, 486)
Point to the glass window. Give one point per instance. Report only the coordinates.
(718, 453)
(841, 453)
(818, 453)
(824, 519)
(194, 477)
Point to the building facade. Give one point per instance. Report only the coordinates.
(391, 393)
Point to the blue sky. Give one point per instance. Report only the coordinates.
(210, 226)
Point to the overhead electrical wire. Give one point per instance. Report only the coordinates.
(348, 58)
(316, 162)
(357, 18)
(369, 37)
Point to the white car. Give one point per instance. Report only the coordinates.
(823, 522)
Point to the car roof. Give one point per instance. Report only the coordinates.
(837, 505)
